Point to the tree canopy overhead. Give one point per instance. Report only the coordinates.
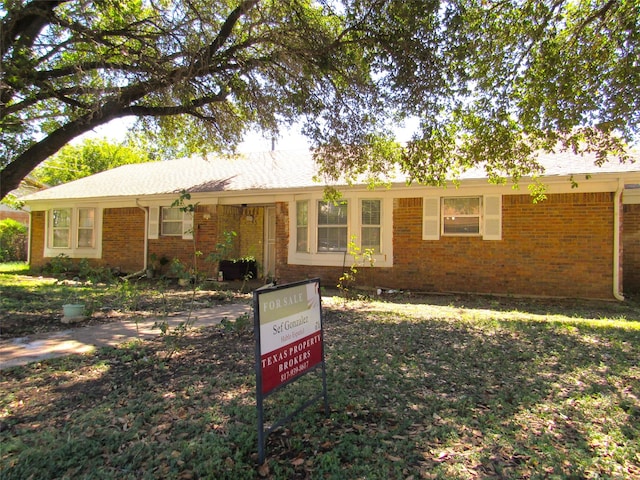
(490, 81)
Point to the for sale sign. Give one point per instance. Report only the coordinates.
(289, 343)
(290, 332)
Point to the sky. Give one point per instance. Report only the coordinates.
(116, 130)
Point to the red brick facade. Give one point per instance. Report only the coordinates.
(210, 223)
(631, 252)
(37, 232)
(560, 247)
(123, 239)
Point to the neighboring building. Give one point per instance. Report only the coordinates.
(27, 186)
(18, 215)
(582, 241)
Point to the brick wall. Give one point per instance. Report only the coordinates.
(123, 239)
(329, 276)
(631, 249)
(283, 271)
(36, 259)
(229, 221)
(38, 220)
(560, 247)
(205, 230)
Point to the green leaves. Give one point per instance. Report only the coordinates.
(491, 82)
(92, 156)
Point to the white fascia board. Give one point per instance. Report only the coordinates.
(63, 203)
(596, 183)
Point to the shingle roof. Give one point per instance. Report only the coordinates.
(255, 171)
(259, 171)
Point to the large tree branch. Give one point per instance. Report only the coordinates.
(25, 24)
(29, 159)
(223, 35)
(45, 95)
(22, 165)
(143, 110)
(86, 67)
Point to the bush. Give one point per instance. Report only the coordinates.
(13, 241)
(59, 266)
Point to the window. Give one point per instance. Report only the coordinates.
(302, 226)
(74, 232)
(461, 215)
(171, 221)
(322, 230)
(61, 228)
(332, 226)
(86, 221)
(370, 229)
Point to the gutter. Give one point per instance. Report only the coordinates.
(616, 240)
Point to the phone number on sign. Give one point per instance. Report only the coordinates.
(292, 372)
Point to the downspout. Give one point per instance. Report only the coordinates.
(146, 234)
(616, 241)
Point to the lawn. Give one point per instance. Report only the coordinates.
(419, 387)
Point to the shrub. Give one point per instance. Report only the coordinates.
(13, 241)
(59, 266)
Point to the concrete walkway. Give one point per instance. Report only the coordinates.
(33, 348)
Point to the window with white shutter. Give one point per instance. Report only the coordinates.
(462, 216)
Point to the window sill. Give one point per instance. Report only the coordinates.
(327, 259)
(72, 252)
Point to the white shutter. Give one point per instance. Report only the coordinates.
(431, 218)
(492, 217)
(187, 225)
(154, 222)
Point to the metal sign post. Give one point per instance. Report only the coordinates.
(289, 344)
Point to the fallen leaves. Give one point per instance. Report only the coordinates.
(392, 458)
(446, 398)
(263, 470)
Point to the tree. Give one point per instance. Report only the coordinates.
(198, 72)
(13, 241)
(92, 156)
(491, 81)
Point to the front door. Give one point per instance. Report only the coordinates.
(270, 242)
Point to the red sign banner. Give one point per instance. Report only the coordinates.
(290, 361)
